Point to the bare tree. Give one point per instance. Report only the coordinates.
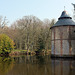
(30, 33)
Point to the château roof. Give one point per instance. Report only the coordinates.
(64, 20)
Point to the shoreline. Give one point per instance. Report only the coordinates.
(30, 53)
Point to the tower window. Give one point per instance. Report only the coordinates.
(74, 31)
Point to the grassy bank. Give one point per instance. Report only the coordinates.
(25, 52)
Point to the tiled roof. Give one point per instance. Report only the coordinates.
(64, 20)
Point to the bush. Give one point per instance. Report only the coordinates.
(6, 44)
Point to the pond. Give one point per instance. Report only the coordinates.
(36, 65)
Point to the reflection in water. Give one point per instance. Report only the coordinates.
(63, 67)
(31, 65)
(40, 60)
(6, 64)
(36, 65)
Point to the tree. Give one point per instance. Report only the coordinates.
(29, 32)
(47, 32)
(40, 44)
(6, 44)
(3, 21)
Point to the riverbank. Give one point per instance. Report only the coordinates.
(25, 52)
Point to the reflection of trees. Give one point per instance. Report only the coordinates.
(36, 65)
(41, 59)
(32, 59)
(6, 64)
(31, 65)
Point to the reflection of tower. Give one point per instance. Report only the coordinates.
(73, 11)
(63, 67)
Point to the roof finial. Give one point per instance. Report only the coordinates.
(64, 8)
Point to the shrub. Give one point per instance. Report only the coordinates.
(6, 44)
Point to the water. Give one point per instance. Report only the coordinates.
(36, 65)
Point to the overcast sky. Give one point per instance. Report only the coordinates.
(16, 9)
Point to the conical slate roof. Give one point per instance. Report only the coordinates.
(64, 20)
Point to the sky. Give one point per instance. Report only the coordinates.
(43, 9)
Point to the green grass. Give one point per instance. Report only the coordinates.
(21, 51)
(16, 50)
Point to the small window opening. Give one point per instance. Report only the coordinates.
(74, 31)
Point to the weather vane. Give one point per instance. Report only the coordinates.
(64, 8)
(73, 5)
